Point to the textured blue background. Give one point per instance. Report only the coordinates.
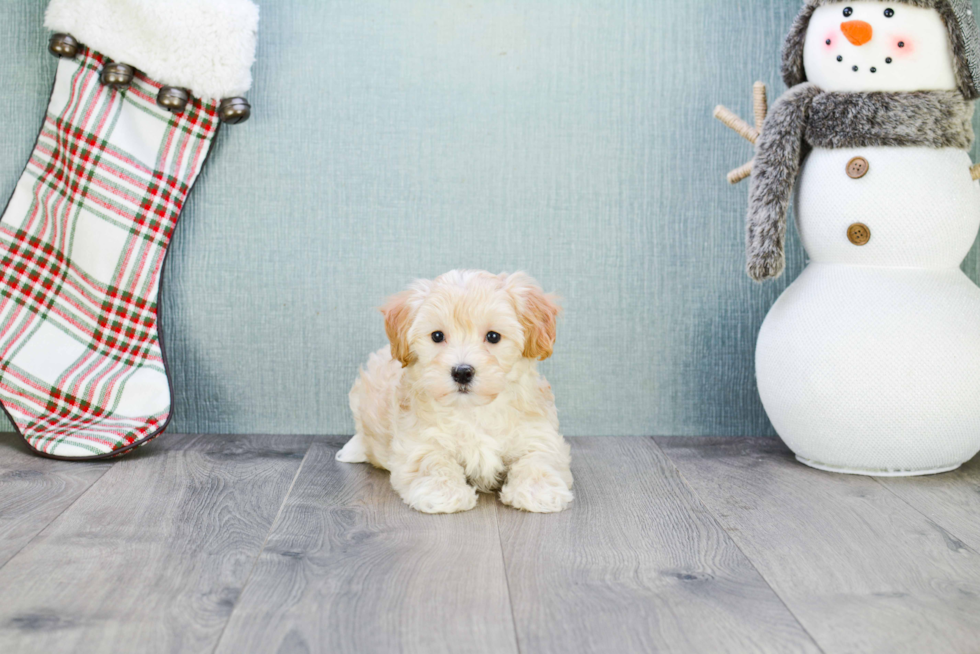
(395, 139)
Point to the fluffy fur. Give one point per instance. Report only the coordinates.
(961, 26)
(443, 441)
(777, 163)
(936, 119)
(207, 46)
(806, 117)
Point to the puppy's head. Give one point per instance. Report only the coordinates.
(466, 330)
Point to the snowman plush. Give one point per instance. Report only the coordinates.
(869, 362)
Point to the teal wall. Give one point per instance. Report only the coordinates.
(395, 139)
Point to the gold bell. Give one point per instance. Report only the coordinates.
(117, 74)
(63, 45)
(173, 98)
(234, 110)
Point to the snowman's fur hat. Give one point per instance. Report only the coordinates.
(957, 15)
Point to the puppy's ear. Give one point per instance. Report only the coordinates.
(538, 312)
(399, 312)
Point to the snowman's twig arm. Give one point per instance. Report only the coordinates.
(742, 172)
(776, 166)
(975, 172)
(739, 126)
(744, 130)
(760, 105)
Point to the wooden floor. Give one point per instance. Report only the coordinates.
(266, 544)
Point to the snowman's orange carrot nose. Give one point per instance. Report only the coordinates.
(857, 31)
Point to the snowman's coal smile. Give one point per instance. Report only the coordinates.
(859, 33)
(873, 69)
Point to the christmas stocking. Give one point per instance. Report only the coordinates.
(141, 89)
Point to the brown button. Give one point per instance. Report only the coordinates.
(859, 234)
(858, 167)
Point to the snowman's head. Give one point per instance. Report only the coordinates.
(885, 45)
(878, 46)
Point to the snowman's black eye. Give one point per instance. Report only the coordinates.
(889, 12)
(848, 11)
(493, 338)
(438, 337)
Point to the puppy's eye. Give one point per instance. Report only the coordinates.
(493, 337)
(848, 11)
(438, 337)
(889, 12)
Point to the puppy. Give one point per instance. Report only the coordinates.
(456, 405)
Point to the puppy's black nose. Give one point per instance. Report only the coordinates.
(463, 373)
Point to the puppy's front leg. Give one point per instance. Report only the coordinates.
(432, 481)
(540, 479)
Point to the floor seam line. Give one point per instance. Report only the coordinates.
(503, 563)
(734, 542)
(928, 517)
(265, 542)
(60, 513)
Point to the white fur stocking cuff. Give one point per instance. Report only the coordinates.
(206, 46)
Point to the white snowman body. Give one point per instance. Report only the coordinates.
(870, 361)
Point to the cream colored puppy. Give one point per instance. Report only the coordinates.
(456, 404)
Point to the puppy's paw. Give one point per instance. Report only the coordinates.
(354, 451)
(440, 495)
(537, 491)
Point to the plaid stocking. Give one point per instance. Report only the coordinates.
(82, 244)
(84, 236)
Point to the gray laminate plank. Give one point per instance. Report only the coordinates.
(951, 499)
(153, 556)
(350, 568)
(861, 569)
(637, 564)
(34, 491)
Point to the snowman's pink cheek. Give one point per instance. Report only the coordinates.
(830, 40)
(900, 46)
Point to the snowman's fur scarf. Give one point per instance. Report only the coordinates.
(932, 119)
(794, 73)
(443, 441)
(779, 151)
(806, 117)
(207, 46)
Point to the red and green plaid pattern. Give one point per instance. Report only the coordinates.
(82, 244)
